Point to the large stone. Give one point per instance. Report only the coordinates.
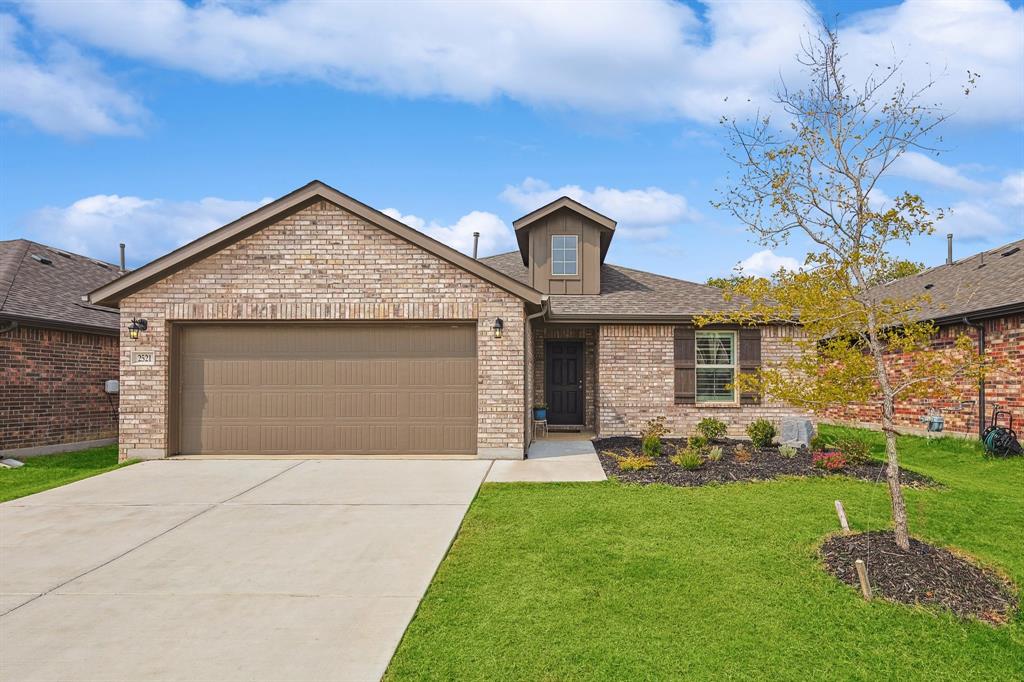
(797, 432)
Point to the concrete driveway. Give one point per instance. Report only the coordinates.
(225, 569)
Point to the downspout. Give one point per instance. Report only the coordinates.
(545, 308)
(981, 384)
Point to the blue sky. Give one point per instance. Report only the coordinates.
(152, 123)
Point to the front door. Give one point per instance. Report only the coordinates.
(564, 361)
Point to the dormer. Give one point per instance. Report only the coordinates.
(563, 245)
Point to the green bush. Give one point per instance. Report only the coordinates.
(818, 443)
(697, 442)
(654, 428)
(688, 459)
(715, 453)
(651, 446)
(856, 450)
(761, 432)
(711, 428)
(787, 451)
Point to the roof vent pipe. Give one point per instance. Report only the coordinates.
(122, 256)
(949, 249)
(476, 243)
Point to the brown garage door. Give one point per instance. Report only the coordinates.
(327, 389)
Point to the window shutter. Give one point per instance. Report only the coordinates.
(685, 366)
(750, 360)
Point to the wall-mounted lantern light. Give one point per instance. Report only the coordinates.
(499, 325)
(136, 326)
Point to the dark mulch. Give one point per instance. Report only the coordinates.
(923, 575)
(764, 464)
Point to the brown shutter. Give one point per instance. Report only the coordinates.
(750, 360)
(685, 366)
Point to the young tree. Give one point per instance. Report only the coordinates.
(818, 176)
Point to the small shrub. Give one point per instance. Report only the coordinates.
(742, 454)
(787, 451)
(654, 428)
(711, 428)
(715, 453)
(651, 446)
(829, 461)
(632, 461)
(689, 459)
(818, 443)
(856, 450)
(761, 433)
(698, 442)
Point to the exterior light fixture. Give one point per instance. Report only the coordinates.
(499, 325)
(137, 326)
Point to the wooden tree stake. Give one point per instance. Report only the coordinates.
(862, 574)
(842, 517)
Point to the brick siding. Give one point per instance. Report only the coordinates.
(635, 366)
(1004, 343)
(323, 263)
(53, 387)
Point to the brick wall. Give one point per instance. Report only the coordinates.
(590, 386)
(1004, 343)
(635, 365)
(323, 263)
(52, 387)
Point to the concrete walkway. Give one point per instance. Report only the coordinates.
(549, 461)
(225, 570)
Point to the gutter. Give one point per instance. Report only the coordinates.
(545, 308)
(981, 384)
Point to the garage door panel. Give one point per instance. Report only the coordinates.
(348, 388)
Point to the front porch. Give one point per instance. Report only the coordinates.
(565, 377)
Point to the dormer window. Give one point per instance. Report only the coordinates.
(564, 255)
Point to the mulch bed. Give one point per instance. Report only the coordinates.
(764, 464)
(925, 575)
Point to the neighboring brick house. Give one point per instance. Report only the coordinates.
(56, 351)
(318, 325)
(980, 294)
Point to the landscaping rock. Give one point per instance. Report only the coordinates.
(797, 432)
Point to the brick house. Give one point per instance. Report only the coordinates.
(981, 296)
(56, 351)
(317, 324)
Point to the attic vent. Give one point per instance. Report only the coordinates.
(1011, 251)
(928, 286)
(65, 255)
(42, 259)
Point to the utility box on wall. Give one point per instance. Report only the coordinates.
(112, 386)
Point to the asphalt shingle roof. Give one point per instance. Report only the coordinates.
(985, 281)
(31, 289)
(625, 291)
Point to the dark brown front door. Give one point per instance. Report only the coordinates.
(564, 361)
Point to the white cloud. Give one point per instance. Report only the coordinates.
(63, 93)
(658, 59)
(150, 227)
(1011, 189)
(917, 166)
(766, 263)
(972, 221)
(495, 235)
(641, 213)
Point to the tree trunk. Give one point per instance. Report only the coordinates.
(892, 477)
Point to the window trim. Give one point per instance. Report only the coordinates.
(576, 262)
(735, 366)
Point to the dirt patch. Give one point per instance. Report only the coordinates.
(764, 464)
(924, 574)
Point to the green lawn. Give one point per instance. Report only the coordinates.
(50, 471)
(613, 582)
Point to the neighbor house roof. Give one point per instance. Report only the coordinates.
(985, 284)
(626, 294)
(44, 285)
(112, 293)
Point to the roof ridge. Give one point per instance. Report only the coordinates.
(9, 268)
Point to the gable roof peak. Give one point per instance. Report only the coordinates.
(560, 203)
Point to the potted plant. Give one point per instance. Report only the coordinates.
(540, 412)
